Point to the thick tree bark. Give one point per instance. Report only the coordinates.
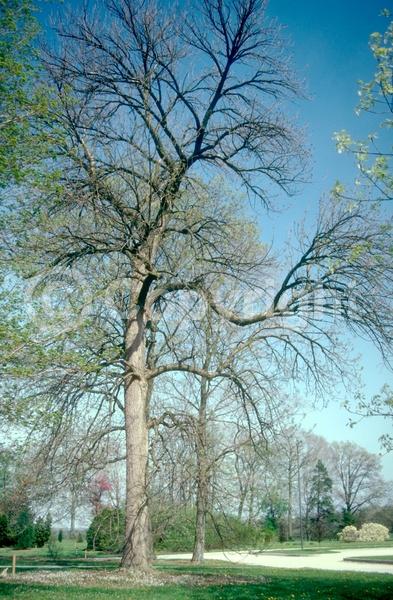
(137, 548)
(202, 477)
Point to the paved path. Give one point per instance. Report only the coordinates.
(330, 561)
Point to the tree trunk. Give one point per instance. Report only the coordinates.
(289, 514)
(200, 525)
(251, 504)
(202, 477)
(73, 513)
(137, 547)
(241, 506)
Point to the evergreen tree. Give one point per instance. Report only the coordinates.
(5, 532)
(25, 529)
(60, 536)
(321, 502)
(42, 530)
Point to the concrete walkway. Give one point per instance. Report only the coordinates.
(330, 561)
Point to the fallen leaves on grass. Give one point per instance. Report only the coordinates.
(125, 578)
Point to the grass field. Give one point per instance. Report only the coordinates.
(326, 545)
(88, 578)
(220, 583)
(387, 559)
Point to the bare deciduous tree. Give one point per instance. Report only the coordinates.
(358, 476)
(137, 129)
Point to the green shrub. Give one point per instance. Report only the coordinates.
(42, 531)
(55, 549)
(174, 530)
(107, 530)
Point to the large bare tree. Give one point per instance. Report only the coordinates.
(137, 121)
(145, 107)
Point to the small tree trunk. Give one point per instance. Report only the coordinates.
(251, 504)
(72, 513)
(289, 514)
(241, 506)
(202, 477)
(137, 548)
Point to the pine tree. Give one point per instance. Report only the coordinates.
(321, 502)
(25, 529)
(5, 532)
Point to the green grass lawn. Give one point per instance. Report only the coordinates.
(326, 545)
(387, 559)
(300, 552)
(223, 583)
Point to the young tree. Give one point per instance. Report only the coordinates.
(321, 502)
(97, 488)
(42, 530)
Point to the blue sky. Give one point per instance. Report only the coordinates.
(329, 44)
(330, 53)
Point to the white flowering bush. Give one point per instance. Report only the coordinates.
(373, 532)
(348, 534)
(369, 532)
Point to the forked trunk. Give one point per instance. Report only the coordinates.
(137, 548)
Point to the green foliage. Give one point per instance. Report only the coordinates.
(107, 530)
(274, 507)
(321, 502)
(24, 99)
(348, 518)
(55, 549)
(42, 530)
(174, 530)
(60, 536)
(79, 538)
(374, 155)
(6, 538)
(24, 529)
(380, 405)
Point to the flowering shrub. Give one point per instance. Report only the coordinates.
(369, 532)
(373, 532)
(348, 534)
